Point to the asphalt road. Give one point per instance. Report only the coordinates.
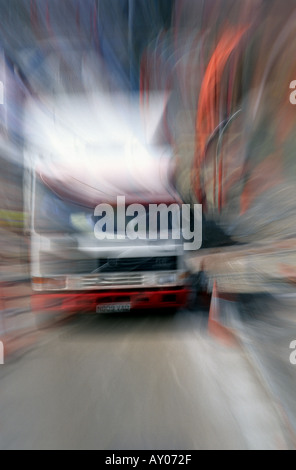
(266, 325)
(148, 381)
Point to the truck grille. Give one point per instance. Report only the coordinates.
(121, 265)
(113, 280)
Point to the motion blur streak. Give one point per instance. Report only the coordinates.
(162, 101)
(208, 115)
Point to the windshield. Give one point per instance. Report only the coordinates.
(53, 214)
(56, 215)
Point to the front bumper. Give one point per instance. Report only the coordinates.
(85, 302)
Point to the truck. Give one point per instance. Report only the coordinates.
(86, 156)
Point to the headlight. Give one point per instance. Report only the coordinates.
(43, 283)
(167, 279)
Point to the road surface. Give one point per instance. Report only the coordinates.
(147, 381)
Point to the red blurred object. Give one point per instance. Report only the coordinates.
(88, 301)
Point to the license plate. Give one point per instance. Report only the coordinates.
(113, 308)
